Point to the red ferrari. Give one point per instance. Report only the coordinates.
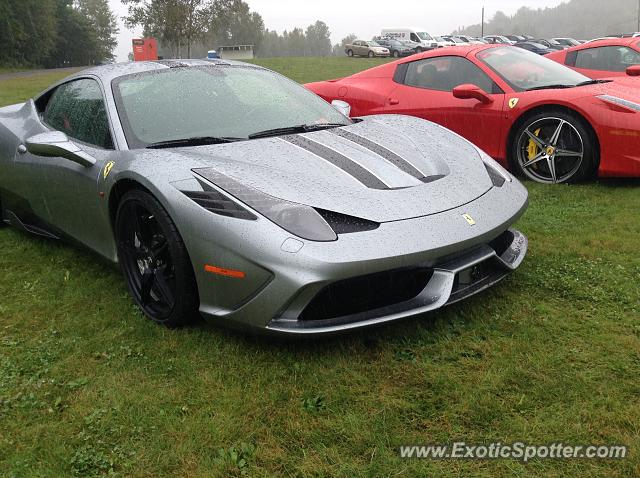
(544, 120)
(605, 58)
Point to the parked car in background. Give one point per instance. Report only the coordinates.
(396, 48)
(469, 39)
(542, 119)
(366, 48)
(567, 41)
(603, 58)
(455, 40)
(515, 38)
(497, 39)
(418, 35)
(534, 47)
(443, 42)
(551, 44)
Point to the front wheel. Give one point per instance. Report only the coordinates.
(554, 147)
(371, 54)
(396, 54)
(155, 261)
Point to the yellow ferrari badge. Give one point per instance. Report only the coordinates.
(513, 102)
(469, 219)
(107, 169)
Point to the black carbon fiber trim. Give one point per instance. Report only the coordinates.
(381, 151)
(348, 166)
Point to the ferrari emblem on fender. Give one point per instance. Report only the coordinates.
(469, 219)
(107, 168)
(513, 102)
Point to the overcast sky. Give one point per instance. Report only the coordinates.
(365, 18)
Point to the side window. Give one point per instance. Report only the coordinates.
(607, 58)
(415, 38)
(77, 109)
(445, 73)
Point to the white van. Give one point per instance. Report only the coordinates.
(417, 35)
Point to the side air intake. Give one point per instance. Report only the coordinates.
(217, 203)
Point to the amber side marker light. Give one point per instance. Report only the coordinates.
(224, 272)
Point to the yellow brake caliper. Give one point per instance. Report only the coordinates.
(532, 148)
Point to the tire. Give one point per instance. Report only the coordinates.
(419, 50)
(554, 146)
(370, 54)
(155, 261)
(395, 54)
(350, 53)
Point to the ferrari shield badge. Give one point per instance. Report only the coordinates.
(513, 102)
(470, 220)
(107, 169)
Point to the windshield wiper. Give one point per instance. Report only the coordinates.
(593, 82)
(549, 87)
(559, 86)
(302, 128)
(195, 141)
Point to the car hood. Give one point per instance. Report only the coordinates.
(384, 168)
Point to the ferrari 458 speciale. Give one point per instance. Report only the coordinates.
(227, 189)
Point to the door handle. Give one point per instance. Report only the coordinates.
(22, 149)
(393, 101)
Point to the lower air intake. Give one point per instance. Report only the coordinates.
(361, 294)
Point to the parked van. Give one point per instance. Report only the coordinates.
(418, 35)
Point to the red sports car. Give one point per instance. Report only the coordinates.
(544, 120)
(602, 58)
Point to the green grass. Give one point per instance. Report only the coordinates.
(88, 387)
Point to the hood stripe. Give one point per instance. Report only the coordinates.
(381, 151)
(350, 167)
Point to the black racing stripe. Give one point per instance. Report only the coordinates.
(380, 150)
(348, 166)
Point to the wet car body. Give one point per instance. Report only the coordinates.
(340, 227)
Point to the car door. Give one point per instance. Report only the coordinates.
(425, 89)
(359, 48)
(69, 191)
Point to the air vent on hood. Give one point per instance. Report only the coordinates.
(343, 224)
(496, 178)
(217, 203)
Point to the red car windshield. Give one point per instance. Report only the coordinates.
(524, 70)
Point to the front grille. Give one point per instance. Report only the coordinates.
(366, 293)
(501, 243)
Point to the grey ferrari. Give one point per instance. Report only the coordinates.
(228, 190)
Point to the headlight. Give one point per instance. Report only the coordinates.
(303, 221)
(494, 169)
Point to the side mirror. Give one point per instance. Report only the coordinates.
(57, 144)
(633, 70)
(469, 91)
(342, 106)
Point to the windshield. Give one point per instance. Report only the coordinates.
(373, 43)
(213, 101)
(424, 36)
(524, 70)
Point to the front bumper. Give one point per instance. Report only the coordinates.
(449, 281)
(280, 283)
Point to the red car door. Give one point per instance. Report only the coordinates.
(425, 90)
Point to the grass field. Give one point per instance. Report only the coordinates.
(552, 354)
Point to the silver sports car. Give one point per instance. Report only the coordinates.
(226, 189)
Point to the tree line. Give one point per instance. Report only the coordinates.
(188, 28)
(580, 19)
(56, 33)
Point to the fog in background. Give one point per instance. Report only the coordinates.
(583, 19)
